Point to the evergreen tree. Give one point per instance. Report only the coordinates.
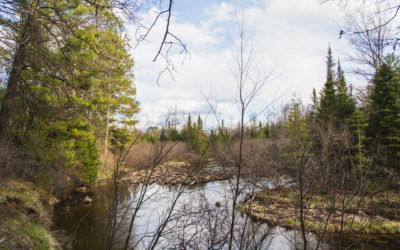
(163, 134)
(327, 100)
(267, 130)
(201, 139)
(298, 133)
(199, 124)
(172, 132)
(345, 105)
(335, 103)
(222, 132)
(384, 121)
(187, 129)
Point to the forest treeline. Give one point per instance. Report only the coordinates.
(371, 121)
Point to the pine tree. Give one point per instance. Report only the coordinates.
(172, 132)
(327, 100)
(384, 122)
(200, 143)
(199, 124)
(335, 103)
(298, 133)
(187, 129)
(345, 105)
(222, 132)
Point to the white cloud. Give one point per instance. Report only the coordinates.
(217, 13)
(293, 35)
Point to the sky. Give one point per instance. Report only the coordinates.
(290, 39)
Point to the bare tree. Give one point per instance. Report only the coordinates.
(248, 84)
(371, 39)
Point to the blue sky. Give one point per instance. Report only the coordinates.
(191, 10)
(289, 36)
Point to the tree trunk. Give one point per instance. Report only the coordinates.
(106, 139)
(8, 104)
(107, 129)
(19, 62)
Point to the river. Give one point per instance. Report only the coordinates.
(196, 222)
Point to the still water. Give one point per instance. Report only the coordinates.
(196, 221)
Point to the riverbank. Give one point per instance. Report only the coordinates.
(25, 217)
(370, 215)
(172, 173)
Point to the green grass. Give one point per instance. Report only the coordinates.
(290, 222)
(30, 233)
(24, 220)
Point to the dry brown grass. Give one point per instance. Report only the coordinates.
(143, 155)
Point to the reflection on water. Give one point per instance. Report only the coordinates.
(85, 224)
(195, 222)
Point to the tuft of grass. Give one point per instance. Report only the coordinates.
(290, 222)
